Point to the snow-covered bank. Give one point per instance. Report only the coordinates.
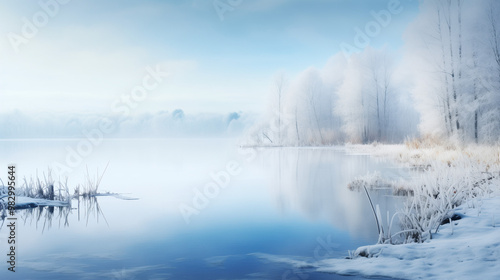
(444, 176)
(23, 202)
(446, 180)
(40, 193)
(465, 249)
(450, 180)
(422, 154)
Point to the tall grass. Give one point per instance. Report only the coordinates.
(422, 152)
(433, 196)
(45, 187)
(92, 185)
(437, 192)
(445, 176)
(385, 235)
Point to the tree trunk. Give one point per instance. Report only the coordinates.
(459, 7)
(297, 125)
(452, 66)
(386, 92)
(475, 127)
(476, 133)
(379, 132)
(446, 79)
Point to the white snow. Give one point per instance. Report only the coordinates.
(28, 202)
(466, 249)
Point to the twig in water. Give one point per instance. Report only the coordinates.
(374, 213)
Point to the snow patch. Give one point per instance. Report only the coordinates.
(465, 249)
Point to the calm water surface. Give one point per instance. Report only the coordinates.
(277, 205)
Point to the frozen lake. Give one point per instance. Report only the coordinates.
(206, 209)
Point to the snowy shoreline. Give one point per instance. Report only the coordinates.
(23, 202)
(468, 248)
(463, 249)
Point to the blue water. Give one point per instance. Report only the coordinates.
(286, 203)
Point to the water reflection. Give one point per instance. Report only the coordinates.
(89, 205)
(314, 182)
(43, 217)
(282, 204)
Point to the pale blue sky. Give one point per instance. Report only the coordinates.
(90, 53)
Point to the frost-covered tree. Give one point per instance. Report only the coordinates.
(351, 99)
(367, 101)
(450, 65)
(311, 102)
(451, 48)
(280, 82)
(301, 109)
(489, 80)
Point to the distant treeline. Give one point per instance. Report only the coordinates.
(161, 124)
